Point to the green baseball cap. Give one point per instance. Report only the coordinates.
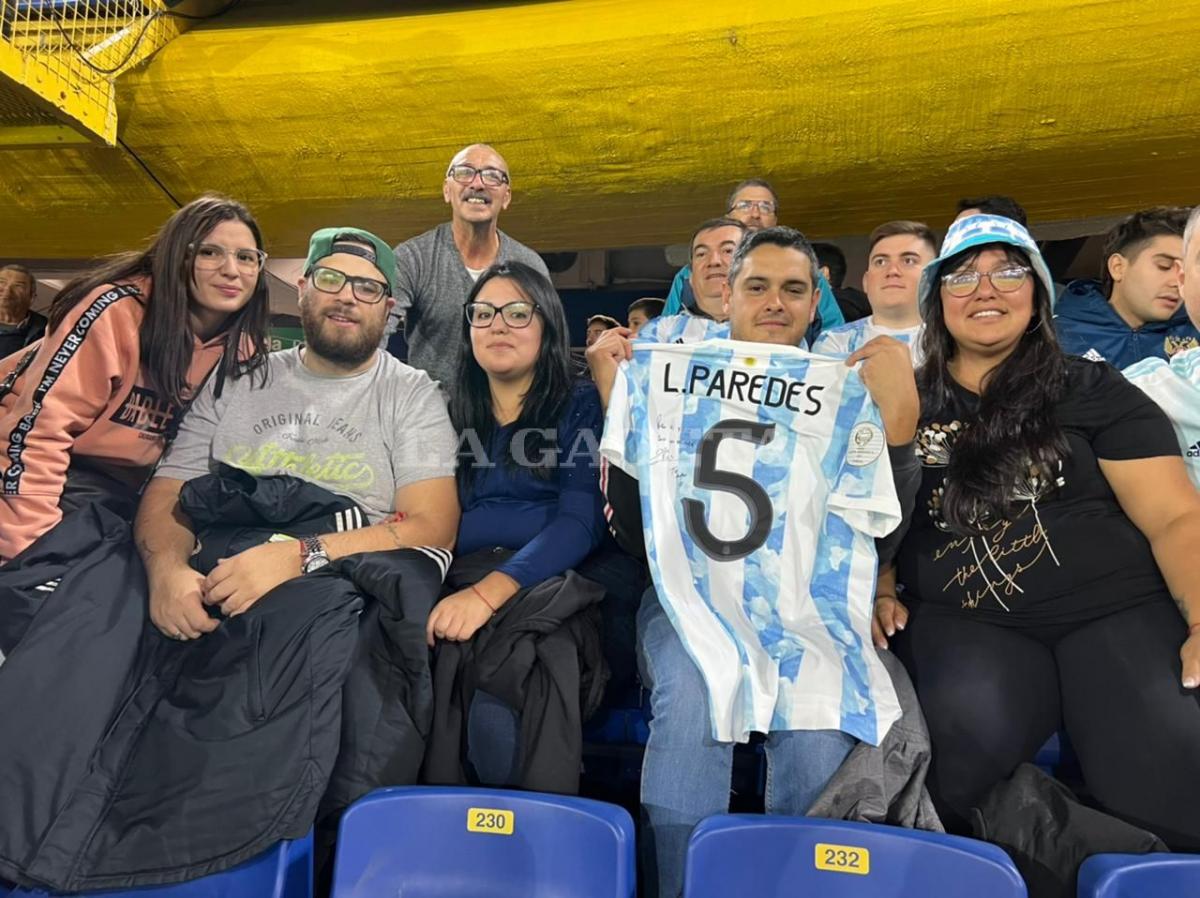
(356, 242)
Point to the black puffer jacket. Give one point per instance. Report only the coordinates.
(127, 759)
(541, 654)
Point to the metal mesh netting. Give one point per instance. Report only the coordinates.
(69, 52)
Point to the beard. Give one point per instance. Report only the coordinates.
(345, 349)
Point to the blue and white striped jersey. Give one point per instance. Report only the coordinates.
(854, 335)
(764, 477)
(682, 328)
(1175, 386)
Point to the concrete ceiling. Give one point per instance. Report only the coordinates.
(626, 121)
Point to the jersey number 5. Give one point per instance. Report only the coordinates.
(708, 476)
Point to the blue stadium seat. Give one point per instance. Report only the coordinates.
(1049, 756)
(1139, 876)
(286, 871)
(427, 841)
(803, 857)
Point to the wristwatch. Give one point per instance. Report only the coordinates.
(313, 556)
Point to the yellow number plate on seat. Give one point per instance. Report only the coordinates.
(490, 820)
(843, 859)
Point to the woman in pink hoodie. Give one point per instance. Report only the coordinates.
(128, 343)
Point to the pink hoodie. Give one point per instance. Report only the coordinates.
(84, 393)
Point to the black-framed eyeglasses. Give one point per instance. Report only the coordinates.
(1004, 280)
(212, 256)
(465, 174)
(517, 314)
(766, 207)
(330, 280)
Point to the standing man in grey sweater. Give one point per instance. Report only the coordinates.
(435, 271)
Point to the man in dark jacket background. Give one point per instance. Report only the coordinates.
(19, 326)
(851, 300)
(1135, 311)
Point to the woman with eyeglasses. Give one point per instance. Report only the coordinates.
(527, 475)
(87, 415)
(1054, 527)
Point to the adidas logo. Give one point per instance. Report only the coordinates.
(1194, 450)
(1092, 356)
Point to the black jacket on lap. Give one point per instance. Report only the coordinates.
(541, 654)
(1048, 832)
(128, 759)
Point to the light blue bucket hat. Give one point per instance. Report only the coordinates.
(981, 230)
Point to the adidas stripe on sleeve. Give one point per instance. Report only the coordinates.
(1175, 386)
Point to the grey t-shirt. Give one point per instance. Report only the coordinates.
(432, 283)
(362, 436)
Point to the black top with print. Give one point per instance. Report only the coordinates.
(1068, 553)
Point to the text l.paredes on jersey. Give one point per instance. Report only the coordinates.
(742, 386)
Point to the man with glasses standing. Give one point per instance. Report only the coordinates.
(755, 204)
(435, 270)
(337, 412)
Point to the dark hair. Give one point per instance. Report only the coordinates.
(651, 305)
(788, 238)
(543, 406)
(1130, 235)
(995, 204)
(751, 182)
(166, 336)
(711, 225)
(916, 229)
(608, 321)
(1016, 432)
(15, 266)
(834, 259)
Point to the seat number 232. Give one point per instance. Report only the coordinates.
(842, 858)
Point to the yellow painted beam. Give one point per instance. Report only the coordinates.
(88, 106)
(50, 134)
(626, 121)
(64, 71)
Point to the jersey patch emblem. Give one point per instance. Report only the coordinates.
(1172, 345)
(865, 445)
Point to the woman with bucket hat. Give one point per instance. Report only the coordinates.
(1054, 526)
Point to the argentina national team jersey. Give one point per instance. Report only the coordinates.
(854, 335)
(682, 328)
(764, 477)
(1175, 386)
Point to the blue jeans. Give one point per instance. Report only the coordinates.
(686, 774)
(493, 740)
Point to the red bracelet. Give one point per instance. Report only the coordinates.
(1194, 629)
(482, 599)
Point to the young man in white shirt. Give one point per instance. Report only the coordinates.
(899, 250)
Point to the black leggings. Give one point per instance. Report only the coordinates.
(993, 695)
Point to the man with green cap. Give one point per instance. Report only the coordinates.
(337, 412)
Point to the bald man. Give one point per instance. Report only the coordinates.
(435, 271)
